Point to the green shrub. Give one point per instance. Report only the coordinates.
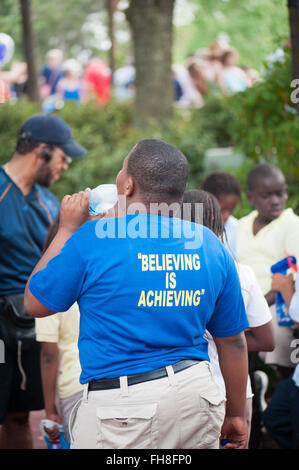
(256, 122)
(264, 124)
(108, 135)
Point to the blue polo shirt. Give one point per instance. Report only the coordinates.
(146, 292)
(24, 222)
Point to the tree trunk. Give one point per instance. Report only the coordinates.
(151, 26)
(111, 8)
(30, 49)
(293, 6)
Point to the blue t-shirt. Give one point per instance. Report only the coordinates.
(52, 77)
(72, 95)
(146, 292)
(24, 222)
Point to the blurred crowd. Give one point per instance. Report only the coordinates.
(212, 69)
(61, 80)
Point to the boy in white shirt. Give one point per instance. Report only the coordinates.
(226, 188)
(259, 336)
(265, 237)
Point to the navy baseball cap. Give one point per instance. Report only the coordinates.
(50, 129)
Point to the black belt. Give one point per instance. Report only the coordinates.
(106, 384)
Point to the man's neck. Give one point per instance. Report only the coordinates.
(163, 209)
(21, 172)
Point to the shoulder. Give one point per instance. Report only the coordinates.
(248, 218)
(289, 216)
(48, 198)
(246, 275)
(232, 220)
(5, 184)
(3, 179)
(45, 70)
(217, 254)
(246, 221)
(83, 237)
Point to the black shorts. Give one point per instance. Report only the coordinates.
(12, 397)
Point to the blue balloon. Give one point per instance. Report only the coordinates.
(2, 52)
(6, 48)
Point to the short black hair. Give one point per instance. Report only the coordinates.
(160, 169)
(225, 55)
(260, 171)
(211, 216)
(221, 183)
(25, 146)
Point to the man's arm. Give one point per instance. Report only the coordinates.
(32, 305)
(270, 298)
(233, 361)
(74, 212)
(260, 338)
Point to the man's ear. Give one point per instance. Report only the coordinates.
(129, 188)
(38, 151)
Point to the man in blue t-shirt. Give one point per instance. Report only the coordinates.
(148, 285)
(44, 149)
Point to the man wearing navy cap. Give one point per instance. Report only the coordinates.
(44, 149)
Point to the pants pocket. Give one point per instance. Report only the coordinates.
(72, 418)
(212, 413)
(126, 427)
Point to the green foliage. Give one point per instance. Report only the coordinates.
(256, 122)
(11, 119)
(108, 135)
(264, 124)
(56, 24)
(254, 27)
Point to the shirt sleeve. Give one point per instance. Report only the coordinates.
(291, 244)
(229, 317)
(294, 305)
(59, 284)
(47, 329)
(257, 309)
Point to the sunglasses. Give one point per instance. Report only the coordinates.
(68, 160)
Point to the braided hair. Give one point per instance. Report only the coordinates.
(211, 215)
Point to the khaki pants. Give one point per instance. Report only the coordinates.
(182, 411)
(65, 407)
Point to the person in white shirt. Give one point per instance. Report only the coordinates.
(265, 236)
(226, 188)
(231, 79)
(259, 336)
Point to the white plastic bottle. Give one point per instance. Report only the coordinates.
(102, 198)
